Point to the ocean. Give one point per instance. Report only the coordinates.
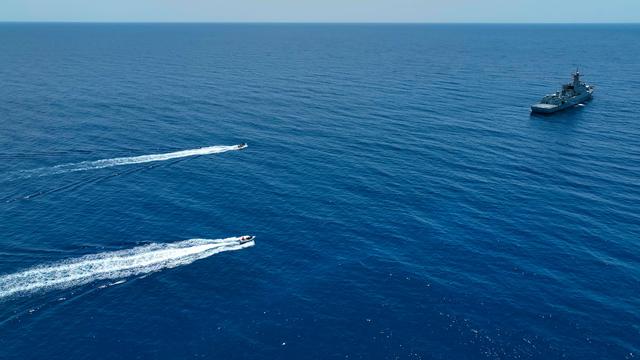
(405, 203)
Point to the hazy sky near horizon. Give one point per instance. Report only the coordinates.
(322, 10)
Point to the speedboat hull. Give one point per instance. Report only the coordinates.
(245, 239)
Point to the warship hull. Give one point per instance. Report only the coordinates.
(552, 108)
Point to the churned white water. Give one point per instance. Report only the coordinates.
(114, 265)
(120, 161)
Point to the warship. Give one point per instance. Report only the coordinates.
(571, 94)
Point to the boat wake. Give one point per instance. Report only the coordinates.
(106, 163)
(115, 265)
(83, 182)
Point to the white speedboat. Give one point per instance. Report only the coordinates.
(245, 239)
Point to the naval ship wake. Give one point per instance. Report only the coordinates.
(116, 264)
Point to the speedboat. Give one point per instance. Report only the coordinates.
(245, 239)
(242, 146)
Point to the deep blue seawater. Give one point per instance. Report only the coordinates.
(406, 205)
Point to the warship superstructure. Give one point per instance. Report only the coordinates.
(573, 93)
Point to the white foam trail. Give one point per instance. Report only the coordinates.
(114, 265)
(105, 163)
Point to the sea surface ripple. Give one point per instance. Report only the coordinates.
(406, 204)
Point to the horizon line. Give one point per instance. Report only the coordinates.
(321, 22)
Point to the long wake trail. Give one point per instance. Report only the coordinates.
(120, 161)
(115, 265)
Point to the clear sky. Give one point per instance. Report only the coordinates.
(322, 10)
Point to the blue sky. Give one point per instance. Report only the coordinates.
(322, 10)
